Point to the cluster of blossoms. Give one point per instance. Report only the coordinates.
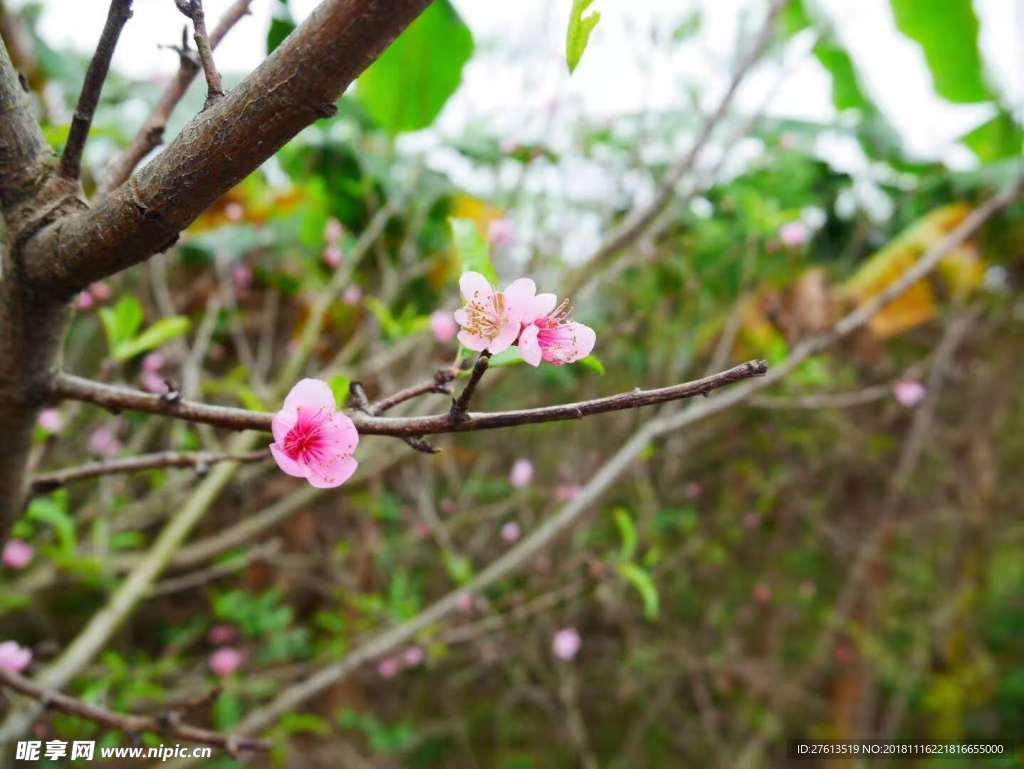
(493, 321)
(389, 667)
(226, 660)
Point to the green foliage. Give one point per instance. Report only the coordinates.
(947, 31)
(340, 385)
(385, 739)
(121, 324)
(472, 249)
(1000, 138)
(281, 24)
(577, 35)
(406, 88)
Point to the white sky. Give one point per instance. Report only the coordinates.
(519, 69)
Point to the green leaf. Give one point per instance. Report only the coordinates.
(509, 357)
(339, 385)
(847, 92)
(947, 31)
(53, 511)
(406, 88)
(578, 34)
(122, 321)
(997, 139)
(472, 249)
(627, 531)
(593, 363)
(644, 585)
(157, 335)
(281, 24)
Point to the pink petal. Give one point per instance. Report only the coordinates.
(519, 298)
(340, 433)
(508, 334)
(585, 339)
(529, 347)
(282, 423)
(327, 475)
(542, 304)
(287, 464)
(311, 395)
(460, 317)
(472, 341)
(475, 288)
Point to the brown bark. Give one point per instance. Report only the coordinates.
(296, 85)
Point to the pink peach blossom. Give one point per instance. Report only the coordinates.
(389, 667)
(226, 660)
(14, 658)
(154, 361)
(491, 320)
(909, 392)
(103, 442)
(443, 326)
(313, 440)
(353, 295)
(550, 335)
(222, 634)
(100, 291)
(332, 256)
(85, 301)
(565, 644)
(501, 232)
(51, 421)
(511, 532)
(153, 382)
(17, 554)
(793, 234)
(521, 473)
(413, 656)
(333, 231)
(567, 492)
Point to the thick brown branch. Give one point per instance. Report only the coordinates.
(116, 398)
(167, 724)
(71, 161)
(194, 10)
(151, 135)
(199, 461)
(295, 86)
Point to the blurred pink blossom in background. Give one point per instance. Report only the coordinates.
(234, 212)
(389, 667)
(567, 492)
(100, 291)
(511, 532)
(909, 392)
(793, 234)
(565, 644)
(353, 295)
(84, 301)
(501, 232)
(693, 490)
(51, 420)
(14, 658)
(521, 473)
(332, 256)
(226, 661)
(333, 231)
(443, 326)
(222, 634)
(241, 278)
(413, 656)
(103, 442)
(18, 554)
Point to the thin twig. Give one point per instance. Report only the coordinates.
(71, 160)
(199, 461)
(151, 135)
(167, 723)
(116, 398)
(440, 383)
(193, 9)
(460, 406)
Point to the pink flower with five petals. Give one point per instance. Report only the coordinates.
(312, 439)
(491, 320)
(549, 334)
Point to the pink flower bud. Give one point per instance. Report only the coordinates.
(521, 473)
(353, 295)
(909, 392)
(332, 256)
(333, 232)
(14, 658)
(501, 232)
(793, 234)
(388, 667)
(443, 326)
(100, 291)
(17, 554)
(51, 421)
(226, 661)
(234, 212)
(85, 301)
(511, 532)
(565, 644)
